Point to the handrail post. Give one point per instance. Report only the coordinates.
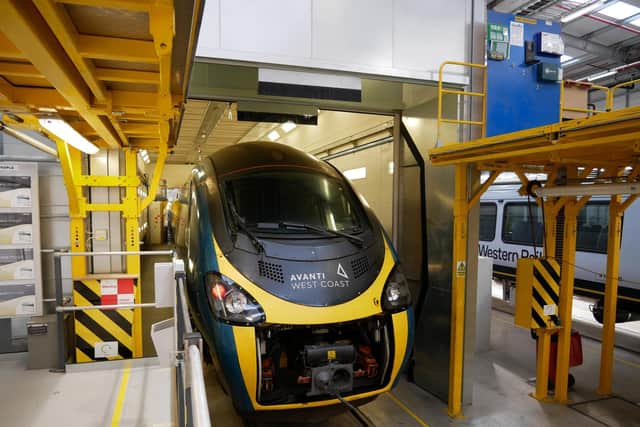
(57, 268)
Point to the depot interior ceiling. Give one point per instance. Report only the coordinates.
(115, 70)
(602, 37)
(208, 126)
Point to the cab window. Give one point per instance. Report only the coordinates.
(593, 227)
(521, 223)
(488, 221)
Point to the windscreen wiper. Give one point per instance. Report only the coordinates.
(240, 223)
(353, 239)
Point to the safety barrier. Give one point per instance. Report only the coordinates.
(483, 95)
(612, 91)
(586, 86)
(192, 406)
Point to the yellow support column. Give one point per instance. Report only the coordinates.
(571, 209)
(132, 243)
(542, 363)
(616, 209)
(460, 212)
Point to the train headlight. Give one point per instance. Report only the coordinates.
(396, 295)
(230, 303)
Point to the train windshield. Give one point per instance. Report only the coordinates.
(272, 201)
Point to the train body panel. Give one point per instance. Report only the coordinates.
(507, 234)
(295, 306)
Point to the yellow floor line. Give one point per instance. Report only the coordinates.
(117, 409)
(406, 409)
(617, 359)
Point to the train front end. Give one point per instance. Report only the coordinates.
(298, 292)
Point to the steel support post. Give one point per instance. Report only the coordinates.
(542, 363)
(566, 298)
(132, 243)
(57, 274)
(397, 180)
(544, 335)
(610, 295)
(456, 357)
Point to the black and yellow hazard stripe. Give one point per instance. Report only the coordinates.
(96, 326)
(545, 291)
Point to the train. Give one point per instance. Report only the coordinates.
(292, 281)
(511, 227)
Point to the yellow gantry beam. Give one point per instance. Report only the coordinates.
(134, 5)
(24, 26)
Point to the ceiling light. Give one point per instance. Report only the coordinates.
(565, 58)
(143, 153)
(620, 10)
(288, 126)
(582, 11)
(62, 130)
(635, 22)
(601, 75)
(273, 135)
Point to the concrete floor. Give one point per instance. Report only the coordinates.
(89, 395)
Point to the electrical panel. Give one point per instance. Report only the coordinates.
(549, 72)
(549, 44)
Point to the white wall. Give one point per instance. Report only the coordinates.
(54, 210)
(400, 38)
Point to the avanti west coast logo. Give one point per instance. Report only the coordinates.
(315, 280)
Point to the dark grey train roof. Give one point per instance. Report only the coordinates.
(251, 156)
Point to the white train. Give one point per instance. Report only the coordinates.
(508, 226)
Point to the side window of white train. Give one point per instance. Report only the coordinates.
(593, 227)
(488, 212)
(522, 224)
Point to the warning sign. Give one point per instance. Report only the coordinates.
(461, 269)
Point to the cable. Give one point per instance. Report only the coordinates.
(601, 275)
(355, 411)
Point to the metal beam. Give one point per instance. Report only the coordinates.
(8, 49)
(135, 5)
(127, 76)
(116, 49)
(162, 28)
(593, 47)
(64, 30)
(28, 31)
(16, 69)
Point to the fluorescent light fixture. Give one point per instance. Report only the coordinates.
(635, 22)
(588, 190)
(273, 135)
(62, 130)
(288, 126)
(582, 11)
(601, 75)
(354, 174)
(390, 168)
(620, 10)
(565, 58)
(143, 152)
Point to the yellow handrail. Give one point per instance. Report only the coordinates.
(589, 86)
(441, 91)
(612, 92)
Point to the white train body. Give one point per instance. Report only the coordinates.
(512, 238)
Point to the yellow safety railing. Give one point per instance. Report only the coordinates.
(587, 86)
(442, 91)
(612, 92)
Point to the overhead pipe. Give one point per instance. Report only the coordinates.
(28, 140)
(589, 190)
